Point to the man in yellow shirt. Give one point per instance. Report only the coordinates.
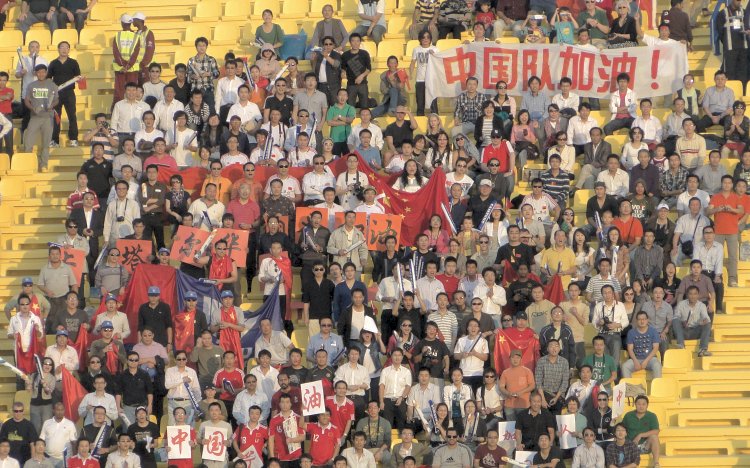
(559, 258)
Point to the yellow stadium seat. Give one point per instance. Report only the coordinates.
(194, 31)
(677, 361)
(23, 164)
(508, 40)
(397, 27)
(316, 7)
(10, 39)
(295, 9)
(391, 47)
(348, 8)
(258, 7)
(224, 37)
(390, 5)
(93, 39)
(102, 12)
(236, 10)
(737, 87)
(40, 35)
(69, 35)
(4, 163)
(289, 26)
(410, 47)
(405, 7)
(11, 190)
(663, 387)
(371, 49)
(207, 11)
(445, 44)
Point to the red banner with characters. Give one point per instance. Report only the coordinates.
(302, 217)
(654, 71)
(380, 226)
(237, 244)
(75, 259)
(134, 252)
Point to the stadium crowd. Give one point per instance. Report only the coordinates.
(433, 363)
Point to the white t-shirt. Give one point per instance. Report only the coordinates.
(420, 55)
(471, 365)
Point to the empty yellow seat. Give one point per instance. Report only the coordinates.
(68, 35)
(207, 11)
(296, 9)
(42, 36)
(23, 164)
(445, 44)
(237, 9)
(391, 47)
(258, 7)
(677, 360)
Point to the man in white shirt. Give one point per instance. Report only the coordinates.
(366, 123)
(267, 376)
(6, 461)
(711, 255)
(579, 127)
(418, 408)
(651, 126)
(369, 205)
(165, 109)
(492, 295)
(429, 286)
(127, 115)
(622, 105)
(177, 379)
(248, 112)
(357, 456)
(98, 398)
(395, 384)
(315, 182)
(610, 318)
(302, 154)
(615, 179)
(248, 398)
(567, 102)
(59, 434)
(62, 354)
(226, 89)
(124, 457)
(276, 342)
(329, 203)
(357, 378)
(692, 191)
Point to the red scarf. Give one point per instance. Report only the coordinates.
(285, 266)
(184, 331)
(229, 339)
(113, 359)
(221, 268)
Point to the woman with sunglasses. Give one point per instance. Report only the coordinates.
(625, 29)
(505, 107)
(176, 202)
(736, 129)
(41, 386)
(440, 155)
(588, 454)
(488, 399)
(111, 276)
(405, 340)
(444, 422)
(566, 223)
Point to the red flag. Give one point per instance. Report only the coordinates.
(509, 339)
(81, 345)
(25, 360)
(553, 291)
(184, 331)
(161, 276)
(73, 392)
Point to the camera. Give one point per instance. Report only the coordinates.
(538, 17)
(105, 124)
(120, 219)
(358, 191)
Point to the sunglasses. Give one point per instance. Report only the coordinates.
(603, 399)
(476, 303)
(494, 165)
(502, 87)
(326, 325)
(181, 359)
(95, 362)
(72, 226)
(283, 167)
(319, 164)
(451, 437)
(406, 325)
(507, 320)
(18, 411)
(24, 303)
(489, 376)
(132, 360)
(191, 300)
(328, 43)
(319, 269)
(536, 186)
(460, 138)
(483, 242)
(114, 255)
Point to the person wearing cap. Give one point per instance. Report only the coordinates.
(144, 433)
(188, 324)
(41, 99)
(369, 205)
(202, 70)
(125, 50)
(157, 315)
(269, 66)
(40, 306)
(229, 326)
(516, 383)
(110, 350)
(163, 256)
(62, 354)
(118, 320)
(147, 45)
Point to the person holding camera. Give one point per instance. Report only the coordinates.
(102, 133)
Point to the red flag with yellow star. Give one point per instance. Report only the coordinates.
(414, 209)
(509, 339)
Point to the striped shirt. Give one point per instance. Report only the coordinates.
(595, 287)
(691, 150)
(448, 326)
(556, 186)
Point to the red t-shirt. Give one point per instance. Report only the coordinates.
(78, 462)
(235, 377)
(6, 106)
(324, 443)
(276, 429)
(501, 153)
(629, 230)
(490, 458)
(294, 393)
(725, 222)
(256, 437)
(340, 415)
(450, 283)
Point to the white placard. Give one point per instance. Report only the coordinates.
(524, 456)
(215, 449)
(178, 442)
(566, 426)
(506, 431)
(618, 400)
(252, 458)
(313, 398)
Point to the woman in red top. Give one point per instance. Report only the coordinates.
(438, 236)
(180, 417)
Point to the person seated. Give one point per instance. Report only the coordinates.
(454, 16)
(643, 348)
(691, 146)
(642, 427)
(691, 320)
(329, 27)
(717, 103)
(372, 24)
(622, 105)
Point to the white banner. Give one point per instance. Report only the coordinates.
(216, 448)
(566, 426)
(524, 456)
(178, 443)
(507, 434)
(313, 398)
(618, 400)
(653, 71)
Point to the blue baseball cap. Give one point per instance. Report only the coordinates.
(61, 333)
(27, 281)
(110, 297)
(107, 325)
(164, 250)
(191, 295)
(153, 291)
(227, 293)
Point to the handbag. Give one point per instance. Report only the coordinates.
(687, 246)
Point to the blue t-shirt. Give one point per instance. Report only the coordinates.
(564, 30)
(642, 343)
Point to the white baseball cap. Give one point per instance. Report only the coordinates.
(139, 16)
(126, 19)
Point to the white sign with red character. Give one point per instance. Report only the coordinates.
(313, 399)
(178, 442)
(216, 448)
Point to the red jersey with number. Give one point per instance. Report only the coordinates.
(78, 462)
(340, 415)
(276, 430)
(235, 377)
(324, 443)
(247, 437)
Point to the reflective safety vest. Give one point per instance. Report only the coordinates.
(142, 37)
(126, 42)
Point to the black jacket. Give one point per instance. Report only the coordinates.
(97, 225)
(344, 327)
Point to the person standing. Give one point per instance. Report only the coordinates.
(135, 390)
(126, 47)
(123, 456)
(730, 27)
(26, 70)
(62, 69)
(147, 44)
(41, 99)
(727, 210)
(59, 434)
(202, 71)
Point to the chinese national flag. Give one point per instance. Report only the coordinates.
(73, 392)
(509, 339)
(81, 345)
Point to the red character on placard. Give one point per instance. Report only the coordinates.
(311, 399)
(216, 444)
